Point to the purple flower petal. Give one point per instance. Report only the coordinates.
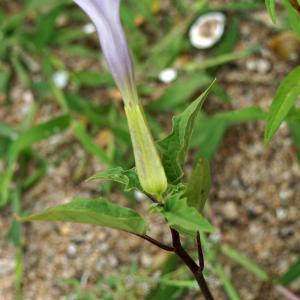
(105, 14)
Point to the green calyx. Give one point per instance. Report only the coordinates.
(148, 164)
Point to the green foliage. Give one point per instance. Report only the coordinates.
(285, 98)
(293, 17)
(33, 36)
(96, 212)
(292, 274)
(23, 141)
(184, 218)
(174, 147)
(220, 60)
(241, 6)
(89, 145)
(270, 4)
(163, 291)
(294, 128)
(180, 91)
(252, 113)
(199, 185)
(245, 262)
(128, 178)
(228, 286)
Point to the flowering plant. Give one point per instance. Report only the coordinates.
(157, 174)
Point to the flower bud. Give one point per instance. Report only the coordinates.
(106, 17)
(149, 167)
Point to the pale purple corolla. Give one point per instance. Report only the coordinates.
(105, 14)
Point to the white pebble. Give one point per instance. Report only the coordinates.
(72, 250)
(215, 237)
(61, 79)
(251, 65)
(207, 30)
(281, 213)
(146, 260)
(89, 28)
(263, 66)
(112, 260)
(285, 194)
(167, 75)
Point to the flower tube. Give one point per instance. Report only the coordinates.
(105, 14)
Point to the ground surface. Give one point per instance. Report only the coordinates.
(255, 199)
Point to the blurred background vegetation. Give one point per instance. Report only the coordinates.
(61, 119)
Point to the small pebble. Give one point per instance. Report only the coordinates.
(215, 237)
(263, 66)
(207, 30)
(72, 250)
(281, 213)
(167, 75)
(112, 260)
(100, 265)
(251, 65)
(285, 196)
(61, 79)
(103, 247)
(89, 28)
(28, 97)
(230, 211)
(146, 260)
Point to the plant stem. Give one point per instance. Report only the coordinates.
(189, 262)
(156, 243)
(200, 252)
(295, 4)
(183, 255)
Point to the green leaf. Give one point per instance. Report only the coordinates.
(175, 145)
(89, 145)
(247, 114)
(240, 6)
(189, 284)
(294, 128)
(229, 39)
(220, 60)
(128, 178)
(46, 27)
(270, 4)
(7, 132)
(285, 98)
(5, 74)
(293, 17)
(199, 185)
(184, 218)
(83, 106)
(93, 79)
(245, 262)
(208, 136)
(227, 284)
(292, 274)
(96, 212)
(181, 91)
(24, 140)
(209, 131)
(171, 43)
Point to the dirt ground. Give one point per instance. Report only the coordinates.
(255, 198)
